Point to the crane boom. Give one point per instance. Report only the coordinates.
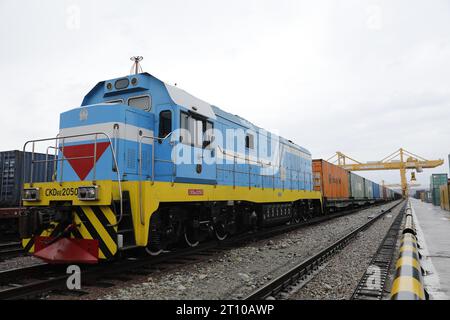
(392, 165)
(399, 160)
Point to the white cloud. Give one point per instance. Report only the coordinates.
(362, 77)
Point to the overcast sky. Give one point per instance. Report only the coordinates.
(361, 77)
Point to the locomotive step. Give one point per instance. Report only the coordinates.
(128, 247)
(125, 231)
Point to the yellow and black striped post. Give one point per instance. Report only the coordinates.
(408, 281)
(409, 223)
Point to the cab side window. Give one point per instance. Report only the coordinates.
(184, 125)
(142, 102)
(195, 131)
(165, 123)
(249, 141)
(209, 134)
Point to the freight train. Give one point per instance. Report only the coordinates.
(342, 189)
(143, 164)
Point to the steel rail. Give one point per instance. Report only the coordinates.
(10, 249)
(301, 270)
(372, 284)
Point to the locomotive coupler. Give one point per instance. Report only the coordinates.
(36, 219)
(63, 234)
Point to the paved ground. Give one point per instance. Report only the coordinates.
(433, 226)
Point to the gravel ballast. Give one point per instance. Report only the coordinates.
(340, 277)
(19, 262)
(235, 273)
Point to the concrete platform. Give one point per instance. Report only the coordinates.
(433, 232)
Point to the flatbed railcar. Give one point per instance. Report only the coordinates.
(145, 164)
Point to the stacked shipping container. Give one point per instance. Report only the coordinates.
(11, 179)
(436, 181)
(11, 174)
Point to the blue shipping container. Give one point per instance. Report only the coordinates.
(376, 190)
(12, 165)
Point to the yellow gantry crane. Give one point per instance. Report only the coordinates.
(399, 160)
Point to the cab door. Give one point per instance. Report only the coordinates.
(164, 165)
(197, 158)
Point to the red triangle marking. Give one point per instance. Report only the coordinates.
(82, 167)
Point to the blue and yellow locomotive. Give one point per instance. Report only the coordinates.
(145, 164)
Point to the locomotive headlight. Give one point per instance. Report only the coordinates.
(31, 194)
(88, 193)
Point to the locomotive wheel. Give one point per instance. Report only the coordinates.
(153, 252)
(220, 232)
(190, 237)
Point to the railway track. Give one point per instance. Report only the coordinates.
(35, 281)
(10, 249)
(373, 283)
(303, 272)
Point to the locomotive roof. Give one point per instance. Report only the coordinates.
(181, 98)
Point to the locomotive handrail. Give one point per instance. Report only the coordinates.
(267, 165)
(54, 162)
(141, 217)
(59, 137)
(236, 155)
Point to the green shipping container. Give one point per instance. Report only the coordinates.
(436, 181)
(436, 197)
(356, 185)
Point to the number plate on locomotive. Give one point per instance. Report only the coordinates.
(61, 192)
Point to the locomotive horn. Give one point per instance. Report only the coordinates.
(136, 66)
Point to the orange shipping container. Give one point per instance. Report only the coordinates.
(330, 179)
